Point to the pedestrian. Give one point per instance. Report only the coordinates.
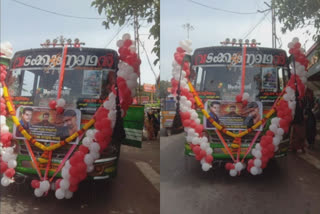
(298, 135)
(148, 122)
(311, 128)
(156, 124)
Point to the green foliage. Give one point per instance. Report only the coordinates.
(296, 14)
(121, 11)
(164, 85)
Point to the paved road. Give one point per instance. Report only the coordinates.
(290, 185)
(130, 192)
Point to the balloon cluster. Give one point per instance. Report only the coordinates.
(189, 116)
(244, 98)
(269, 143)
(58, 105)
(96, 140)
(7, 156)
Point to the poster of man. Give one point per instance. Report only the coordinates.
(234, 116)
(269, 79)
(48, 126)
(91, 82)
(24, 121)
(214, 113)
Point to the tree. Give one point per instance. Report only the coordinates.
(121, 11)
(164, 85)
(296, 14)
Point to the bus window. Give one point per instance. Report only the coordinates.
(28, 83)
(198, 78)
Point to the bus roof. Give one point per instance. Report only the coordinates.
(232, 55)
(76, 57)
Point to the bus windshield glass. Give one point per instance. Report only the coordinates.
(225, 81)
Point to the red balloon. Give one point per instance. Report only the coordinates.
(127, 43)
(196, 150)
(10, 172)
(52, 104)
(186, 123)
(198, 157)
(209, 158)
(36, 184)
(57, 184)
(203, 154)
(74, 180)
(185, 115)
(60, 110)
(73, 188)
(245, 102)
(239, 98)
(199, 128)
(269, 133)
(4, 166)
(229, 166)
(83, 149)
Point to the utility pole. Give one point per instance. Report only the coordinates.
(273, 18)
(189, 27)
(136, 42)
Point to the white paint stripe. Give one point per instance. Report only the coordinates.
(310, 159)
(149, 173)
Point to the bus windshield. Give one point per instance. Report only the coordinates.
(225, 81)
(42, 85)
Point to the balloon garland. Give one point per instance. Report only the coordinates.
(81, 162)
(263, 151)
(7, 157)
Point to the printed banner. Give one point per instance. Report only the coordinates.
(46, 125)
(234, 116)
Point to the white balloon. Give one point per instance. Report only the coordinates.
(258, 154)
(2, 120)
(65, 173)
(295, 40)
(90, 133)
(95, 155)
(209, 151)
(276, 141)
(126, 36)
(6, 156)
(258, 147)
(133, 48)
(68, 194)
(290, 45)
(120, 43)
(198, 121)
(4, 129)
(12, 164)
(204, 146)
(87, 141)
(88, 159)
(44, 186)
(245, 96)
(64, 184)
(273, 128)
(233, 172)
(206, 167)
(94, 147)
(61, 102)
(280, 131)
(238, 166)
(257, 162)
(259, 171)
(5, 181)
(254, 170)
(90, 168)
(60, 194)
(275, 121)
(38, 192)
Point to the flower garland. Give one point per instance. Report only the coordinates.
(263, 151)
(81, 162)
(8, 161)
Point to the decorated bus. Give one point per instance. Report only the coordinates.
(65, 111)
(237, 102)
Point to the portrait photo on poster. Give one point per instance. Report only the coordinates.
(47, 125)
(232, 115)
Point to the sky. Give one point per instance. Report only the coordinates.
(26, 28)
(213, 26)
